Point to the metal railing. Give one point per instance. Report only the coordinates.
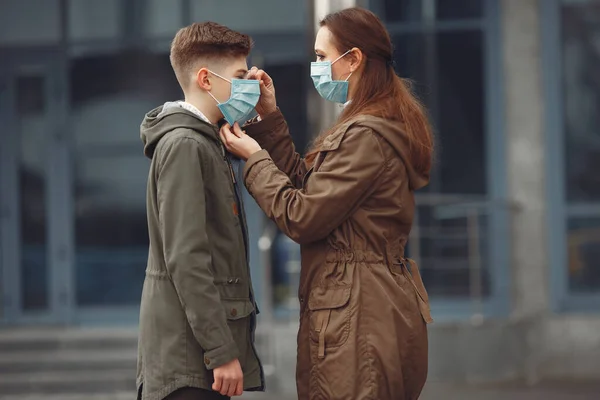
(476, 236)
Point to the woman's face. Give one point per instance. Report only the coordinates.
(326, 51)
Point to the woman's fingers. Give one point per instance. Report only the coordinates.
(252, 73)
(261, 75)
(237, 131)
(226, 137)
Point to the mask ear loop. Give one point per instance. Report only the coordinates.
(211, 95)
(225, 79)
(214, 73)
(343, 55)
(337, 59)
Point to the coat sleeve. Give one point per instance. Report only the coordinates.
(182, 212)
(347, 176)
(273, 135)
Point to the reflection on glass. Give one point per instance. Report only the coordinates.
(583, 241)
(32, 191)
(581, 75)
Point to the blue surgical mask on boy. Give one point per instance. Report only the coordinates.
(321, 74)
(244, 96)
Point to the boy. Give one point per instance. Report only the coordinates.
(198, 313)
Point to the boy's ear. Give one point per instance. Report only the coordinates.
(202, 79)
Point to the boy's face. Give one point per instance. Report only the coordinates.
(235, 68)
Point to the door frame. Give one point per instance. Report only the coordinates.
(48, 62)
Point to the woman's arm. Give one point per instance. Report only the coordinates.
(348, 175)
(271, 131)
(272, 134)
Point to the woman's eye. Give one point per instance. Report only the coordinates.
(319, 58)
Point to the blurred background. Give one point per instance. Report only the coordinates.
(507, 233)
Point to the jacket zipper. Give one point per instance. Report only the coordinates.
(240, 202)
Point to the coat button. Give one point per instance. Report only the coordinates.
(233, 312)
(230, 281)
(237, 280)
(301, 300)
(206, 360)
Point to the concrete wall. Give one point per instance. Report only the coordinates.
(521, 36)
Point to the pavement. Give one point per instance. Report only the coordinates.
(24, 357)
(433, 391)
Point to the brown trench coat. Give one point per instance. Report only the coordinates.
(363, 307)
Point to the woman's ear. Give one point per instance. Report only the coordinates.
(202, 79)
(356, 57)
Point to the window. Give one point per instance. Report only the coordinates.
(33, 135)
(111, 171)
(399, 11)
(440, 46)
(580, 22)
(27, 22)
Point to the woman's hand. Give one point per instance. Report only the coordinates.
(267, 102)
(237, 142)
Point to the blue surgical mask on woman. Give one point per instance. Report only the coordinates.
(244, 96)
(321, 74)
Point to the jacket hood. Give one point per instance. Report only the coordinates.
(168, 117)
(394, 134)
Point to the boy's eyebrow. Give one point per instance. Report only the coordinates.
(241, 71)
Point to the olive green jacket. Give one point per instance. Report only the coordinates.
(197, 310)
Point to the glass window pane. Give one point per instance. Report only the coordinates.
(581, 83)
(448, 73)
(583, 240)
(29, 22)
(32, 184)
(111, 171)
(403, 10)
(459, 9)
(290, 79)
(251, 17)
(163, 18)
(91, 19)
(111, 228)
(447, 70)
(461, 112)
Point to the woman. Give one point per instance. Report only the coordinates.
(350, 204)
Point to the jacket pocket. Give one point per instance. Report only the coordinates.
(237, 309)
(231, 287)
(329, 317)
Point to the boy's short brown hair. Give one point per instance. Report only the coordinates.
(208, 41)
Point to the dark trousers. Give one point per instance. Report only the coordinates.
(189, 393)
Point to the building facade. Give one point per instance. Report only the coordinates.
(508, 231)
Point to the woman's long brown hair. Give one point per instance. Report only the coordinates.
(379, 92)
